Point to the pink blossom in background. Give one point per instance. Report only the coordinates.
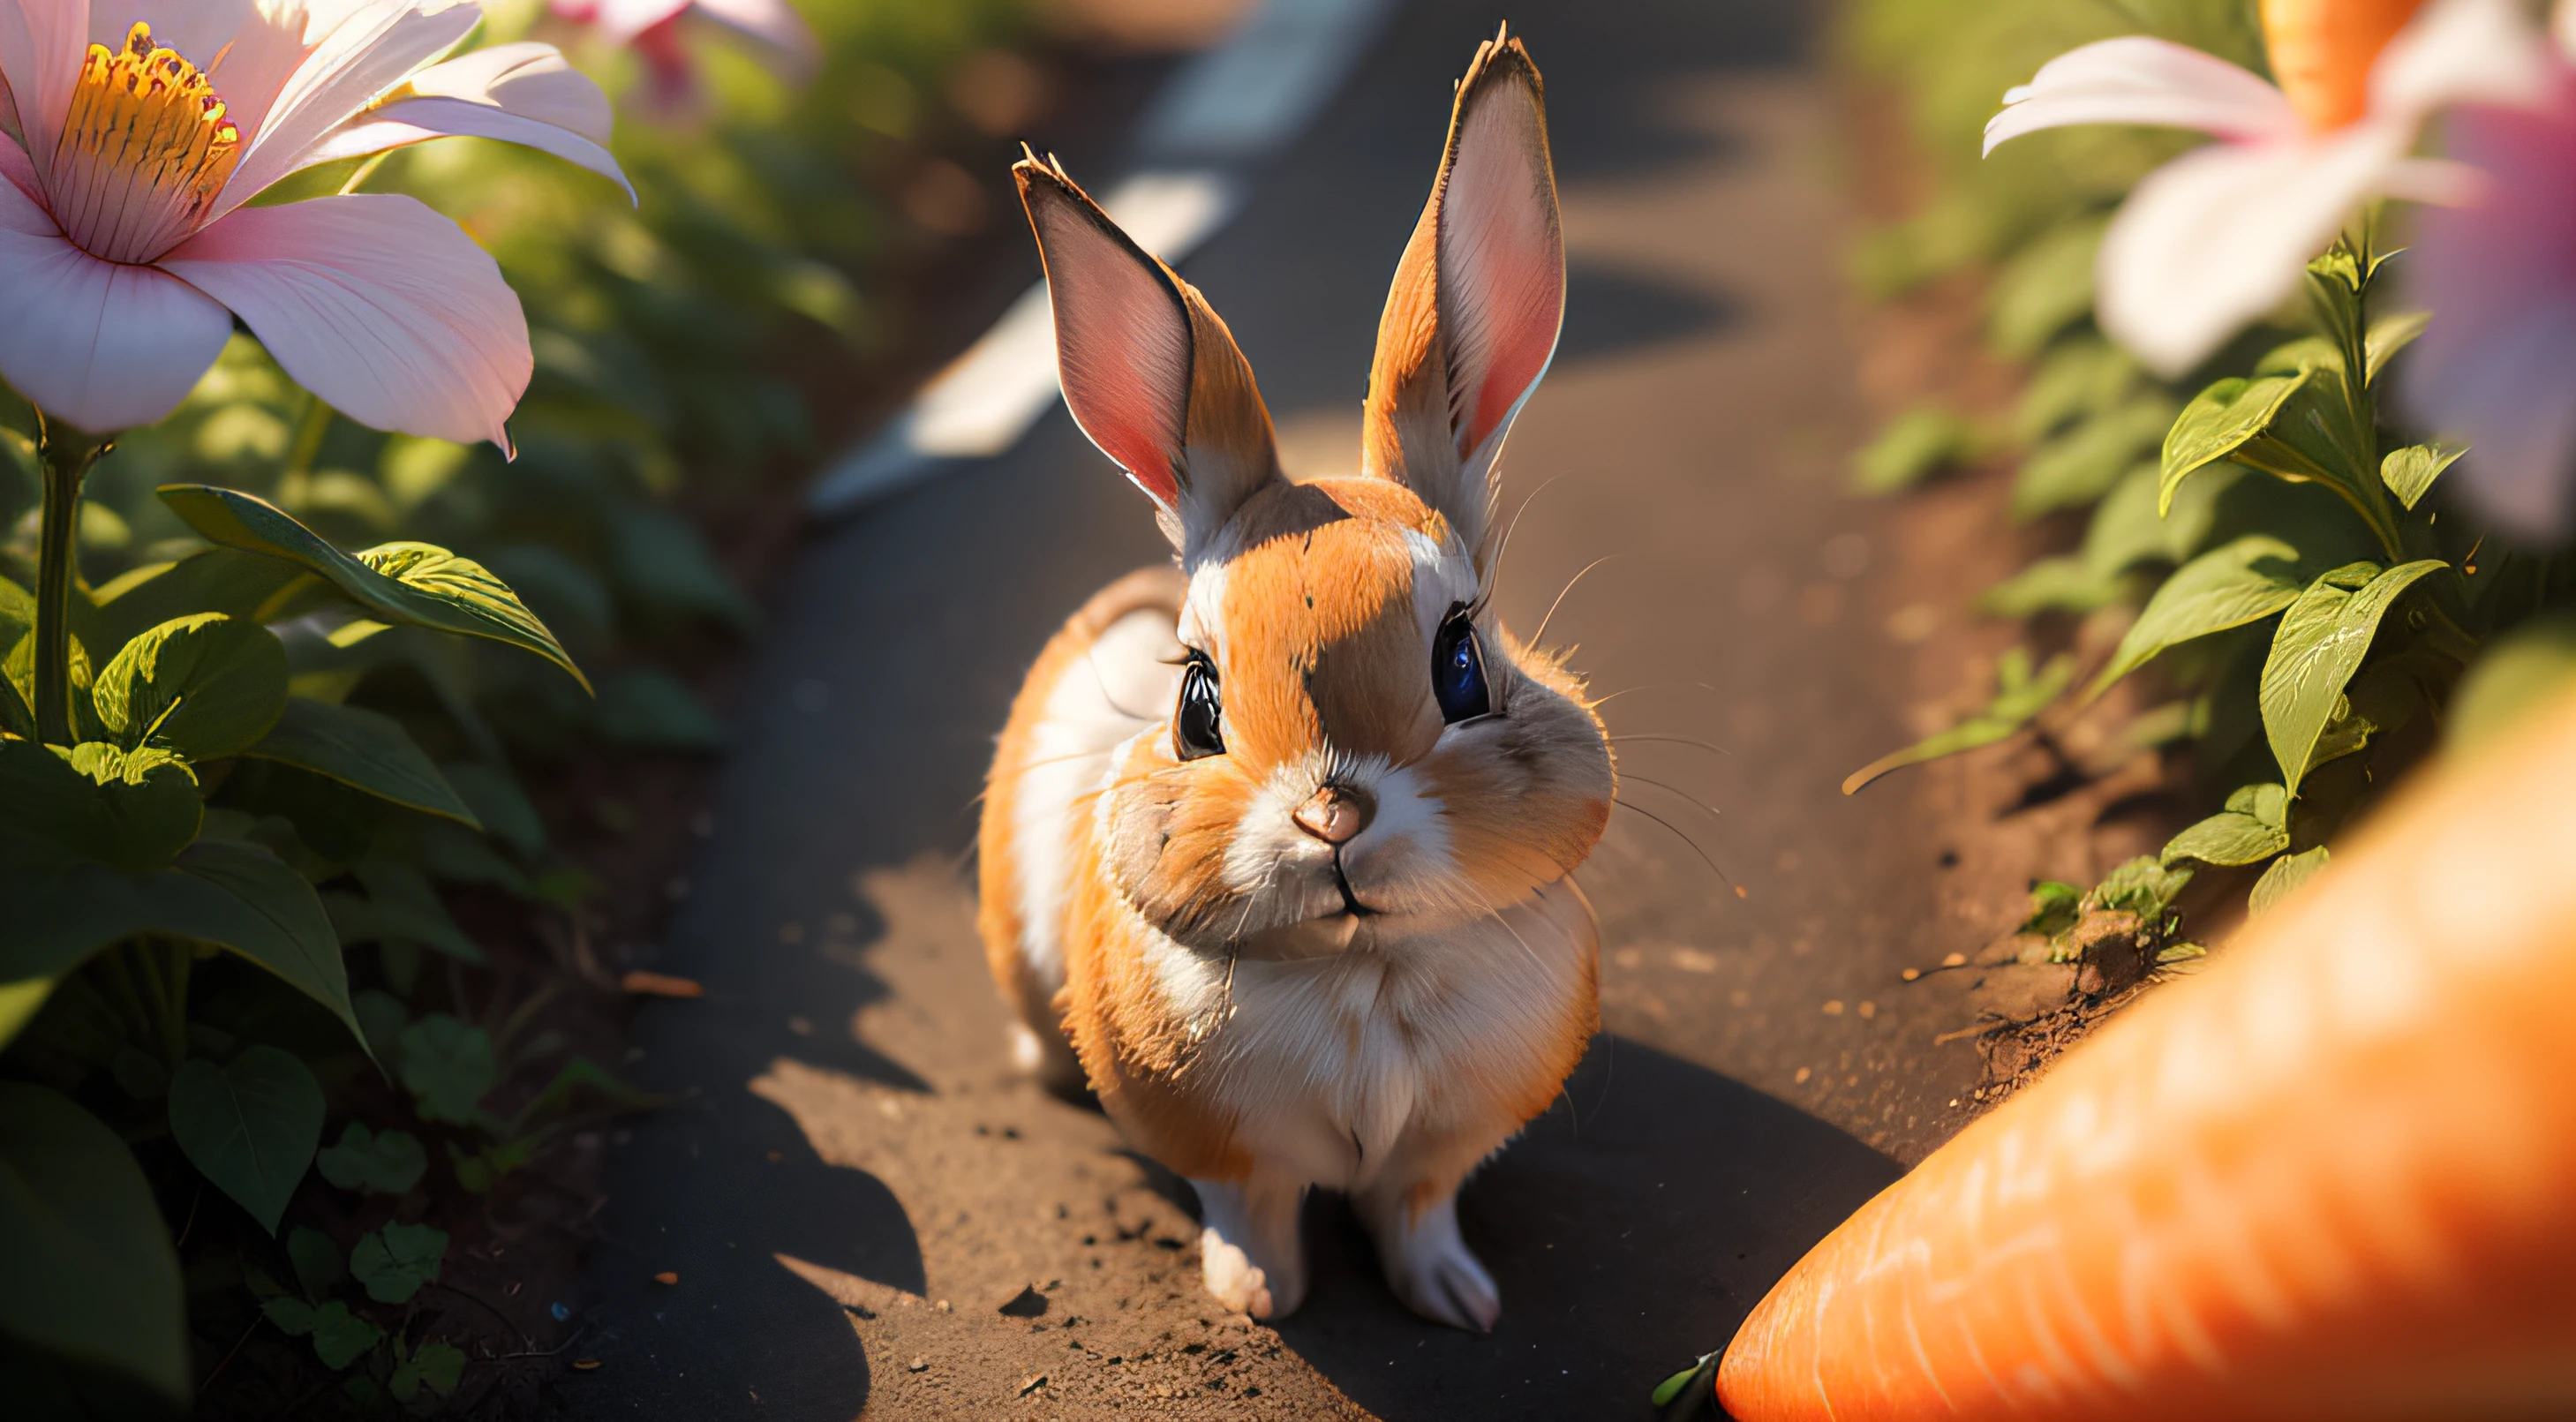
(652, 28)
(133, 131)
(2497, 366)
(2222, 234)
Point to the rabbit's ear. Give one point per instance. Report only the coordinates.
(1149, 371)
(1471, 321)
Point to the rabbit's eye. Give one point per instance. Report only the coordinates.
(1198, 723)
(1458, 670)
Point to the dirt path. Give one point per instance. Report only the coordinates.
(866, 1213)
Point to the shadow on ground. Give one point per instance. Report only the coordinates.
(1630, 1229)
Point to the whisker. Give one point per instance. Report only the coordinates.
(1676, 740)
(1710, 810)
(1504, 549)
(1677, 833)
(1656, 686)
(1540, 636)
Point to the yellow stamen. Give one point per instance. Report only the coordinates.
(2322, 51)
(144, 151)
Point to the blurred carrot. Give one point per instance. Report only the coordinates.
(651, 984)
(2322, 50)
(2333, 1176)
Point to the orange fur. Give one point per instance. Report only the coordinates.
(1375, 1000)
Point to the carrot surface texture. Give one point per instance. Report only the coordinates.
(2332, 1176)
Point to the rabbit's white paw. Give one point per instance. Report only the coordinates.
(1431, 1270)
(1249, 1254)
(1232, 1277)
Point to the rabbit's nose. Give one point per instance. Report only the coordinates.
(1336, 814)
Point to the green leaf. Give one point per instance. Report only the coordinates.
(2218, 423)
(237, 896)
(500, 804)
(2083, 464)
(2069, 584)
(400, 907)
(94, 801)
(2316, 649)
(2141, 886)
(413, 583)
(1912, 448)
(205, 685)
(373, 1162)
(663, 563)
(86, 1267)
(250, 1127)
(2410, 472)
(2019, 695)
(341, 1337)
(2252, 828)
(384, 1018)
(2516, 675)
(1670, 1389)
(2388, 336)
(2054, 907)
(2046, 287)
(2077, 378)
(395, 1261)
(18, 668)
(2239, 582)
(448, 1067)
(436, 1366)
(365, 750)
(2284, 877)
(293, 1316)
(320, 1264)
(226, 580)
(577, 1074)
(643, 706)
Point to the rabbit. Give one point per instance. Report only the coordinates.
(1277, 846)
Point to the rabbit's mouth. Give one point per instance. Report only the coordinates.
(1352, 908)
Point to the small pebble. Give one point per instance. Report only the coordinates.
(1911, 974)
(1869, 1009)
(667, 1276)
(1803, 1074)
(1834, 1008)
(1955, 960)
(585, 1365)
(917, 1365)
(1033, 1384)
(561, 1312)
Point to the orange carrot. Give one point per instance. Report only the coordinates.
(2332, 1176)
(2322, 50)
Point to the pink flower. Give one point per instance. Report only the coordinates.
(133, 131)
(652, 29)
(2221, 235)
(2498, 363)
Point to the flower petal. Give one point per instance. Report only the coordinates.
(773, 23)
(2222, 234)
(620, 21)
(99, 344)
(15, 166)
(2498, 363)
(378, 305)
(2460, 51)
(247, 48)
(529, 79)
(2142, 80)
(407, 121)
(41, 45)
(373, 48)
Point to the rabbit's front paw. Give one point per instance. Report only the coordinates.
(1436, 1277)
(1232, 1277)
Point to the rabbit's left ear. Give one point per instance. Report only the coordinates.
(1472, 319)
(1149, 370)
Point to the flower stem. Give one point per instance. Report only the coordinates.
(308, 441)
(67, 455)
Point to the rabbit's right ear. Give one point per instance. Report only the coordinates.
(1472, 319)
(1149, 370)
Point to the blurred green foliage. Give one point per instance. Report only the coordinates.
(2285, 555)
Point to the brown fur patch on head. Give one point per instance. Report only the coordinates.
(1321, 642)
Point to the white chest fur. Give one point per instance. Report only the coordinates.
(1327, 1063)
